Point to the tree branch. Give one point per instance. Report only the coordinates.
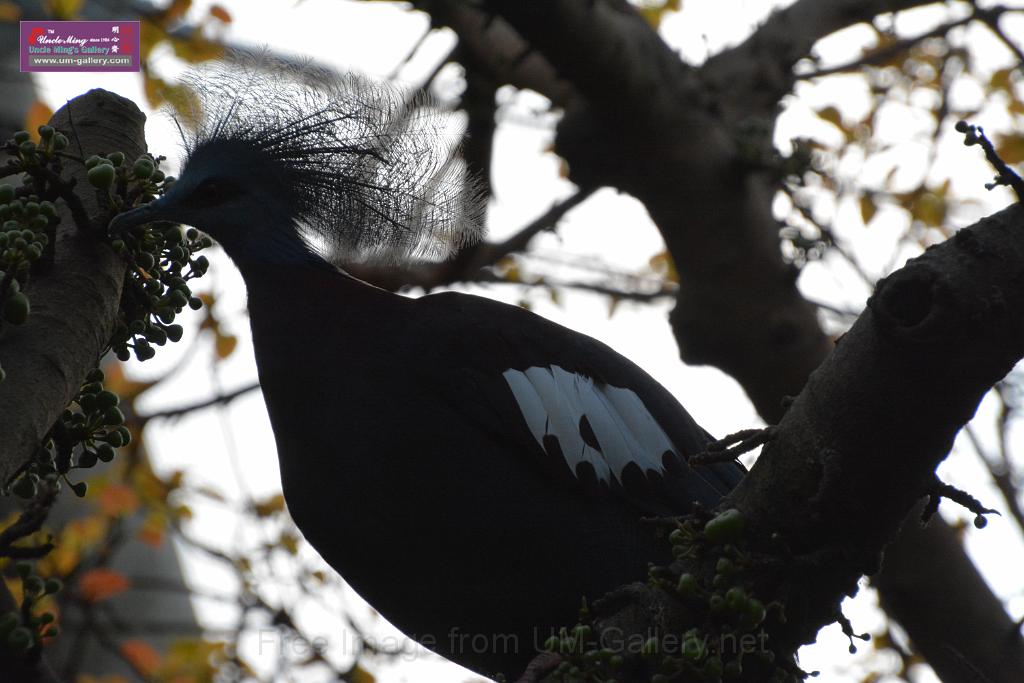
(858, 449)
(74, 304)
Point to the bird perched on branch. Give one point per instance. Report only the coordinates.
(470, 468)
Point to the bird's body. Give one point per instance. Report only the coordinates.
(445, 513)
(470, 468)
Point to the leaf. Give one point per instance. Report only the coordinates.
(662, 264)
(868, 208)
(220, 13)
(290, 543)
(9, 11)
(141, 655)
(97, 585)
(152, 531)
(175, 11)
(1011, 148)
(118, 500)
(360, 675)
(152, 33)
(654, 12)
(225, 345)
(511, 272)
(832, 115)
(38, 114)
(181, 98)
(194, 660)
(270, 506)
(196, 48)
(128, 389)
(1001, 80)
(930, 209)
(63, 10)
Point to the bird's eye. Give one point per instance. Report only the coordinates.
(213, 191)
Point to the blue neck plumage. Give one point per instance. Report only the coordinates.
(279, 248)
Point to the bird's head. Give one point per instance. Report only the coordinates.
(235, 193)
(282, 156)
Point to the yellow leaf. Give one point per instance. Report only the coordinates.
(38, 114)
(195, 48)
(832, 115)
(152, 530)
(662, 264)
(269, 506)
(14, 587)
(128, 389)
(868, 208)
(100, 584)
(563, 168)
(290, 543)
(150, 35)
(930, 209)
(141, 655)
(118, 500)
(360, 675)
(1011, 148)
(176, 10)
(220, 13)
(654, 12)
(1000, 80)
(225, 345)
(9, 11)
(63, 10)
(181, 98)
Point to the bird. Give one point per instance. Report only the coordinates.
(470, 468)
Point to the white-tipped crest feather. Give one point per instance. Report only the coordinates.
(372, 174)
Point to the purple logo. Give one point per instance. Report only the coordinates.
(80, 46)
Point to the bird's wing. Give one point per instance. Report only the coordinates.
(591, 416)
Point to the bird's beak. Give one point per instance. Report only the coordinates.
(147, 213)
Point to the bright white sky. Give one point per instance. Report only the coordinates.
(373, 38)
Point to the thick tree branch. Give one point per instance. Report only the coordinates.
(74, 303)
(858, 447)
(757, 73)
(491, 45)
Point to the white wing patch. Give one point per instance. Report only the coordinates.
(591, 422)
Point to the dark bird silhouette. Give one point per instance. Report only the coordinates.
(470, 468)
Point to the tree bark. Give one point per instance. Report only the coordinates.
(857, 450)
(75, 301)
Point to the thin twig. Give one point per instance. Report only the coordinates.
(218, 400)
(885, 53)
(491, 253)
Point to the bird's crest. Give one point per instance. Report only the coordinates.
(374, 174)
